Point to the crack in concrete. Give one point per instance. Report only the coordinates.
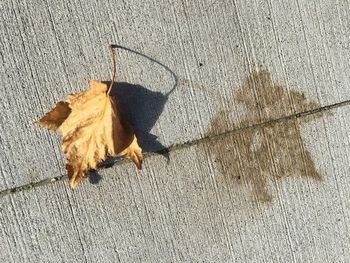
(188, 144)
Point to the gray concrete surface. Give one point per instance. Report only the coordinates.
(258, 190)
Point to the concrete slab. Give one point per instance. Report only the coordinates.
(266, 185)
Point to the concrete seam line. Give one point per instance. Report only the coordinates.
(188, 144)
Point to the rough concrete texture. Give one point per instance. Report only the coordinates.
(255, 190)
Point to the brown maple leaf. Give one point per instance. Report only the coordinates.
(92, 130)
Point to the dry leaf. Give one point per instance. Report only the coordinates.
(92, 130)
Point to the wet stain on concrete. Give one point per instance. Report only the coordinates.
(256, 157)
(186, 83)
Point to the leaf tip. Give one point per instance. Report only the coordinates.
(137, 158)
(54, 118)
(75, 176)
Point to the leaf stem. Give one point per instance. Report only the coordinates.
(110, 46)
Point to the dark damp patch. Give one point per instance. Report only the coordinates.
(255, 157)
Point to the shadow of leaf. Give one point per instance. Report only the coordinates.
(142, 108)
